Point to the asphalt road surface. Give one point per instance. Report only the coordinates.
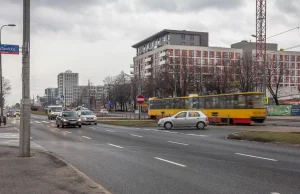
(152, 160)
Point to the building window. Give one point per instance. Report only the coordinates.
(238, 55)
(287, 58)
(231, 55)
(210, 61)
(204, 53)
(298, 66)
(198, 53)
(191, 53)
(182, 43)
(225, 55)
(211, 54)
(182, 36)
(168, 37)
(192, 37)
(177, 52)
(191, 43)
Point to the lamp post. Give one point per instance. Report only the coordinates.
(1, 84)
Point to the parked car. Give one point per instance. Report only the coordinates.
(185, 119)
(68, 118)
(87, 117)
(16, 113)
(103, 111)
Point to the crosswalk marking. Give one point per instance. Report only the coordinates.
(37, 121)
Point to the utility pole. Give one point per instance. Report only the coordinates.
(65, 96)
(24, 142)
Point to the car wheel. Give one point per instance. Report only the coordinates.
(95, 123)
(79, 126)
(61, 125)
(200, 125)
(168, 125)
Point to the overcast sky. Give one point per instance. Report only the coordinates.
(94, 37)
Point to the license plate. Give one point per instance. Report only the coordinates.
(73, 122)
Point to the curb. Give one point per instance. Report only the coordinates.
(87, 180)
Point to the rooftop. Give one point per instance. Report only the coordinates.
(164, 32)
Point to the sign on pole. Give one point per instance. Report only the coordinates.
(140, 99)
(9, 49)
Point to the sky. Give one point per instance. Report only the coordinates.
(94, 37)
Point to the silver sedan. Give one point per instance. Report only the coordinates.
(185, 119)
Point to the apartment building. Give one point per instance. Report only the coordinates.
(66, 82)
(169, 46)
(289, 59)
(88, 95)
(51, 95)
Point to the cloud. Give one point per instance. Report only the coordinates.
(189, 5)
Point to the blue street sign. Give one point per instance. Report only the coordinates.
(110, 103)
(9, 49)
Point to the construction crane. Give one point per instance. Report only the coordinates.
(261, 24)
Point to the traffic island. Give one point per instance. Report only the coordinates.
(42, 173)
(130, 123)
(287, 138)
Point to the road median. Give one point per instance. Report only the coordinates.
(130, 123)
(289, 138)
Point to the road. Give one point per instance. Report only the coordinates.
(148, 160)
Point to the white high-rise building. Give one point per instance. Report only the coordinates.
(66, 82)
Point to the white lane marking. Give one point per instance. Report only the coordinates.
(178, 143)
(168, 161)
(256, 157)
(110, 131)
(68, 131)
(170, 131)
(57, 129)
(274, 193)
(86, 137)
(115, 145)
(147, 129)
(31, 122)
(135, 135)
(45, 121)
(197, 135)
(37, 121)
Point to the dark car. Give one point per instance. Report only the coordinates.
(68, 118)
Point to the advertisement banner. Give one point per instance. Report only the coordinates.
(279, 110)
(295, 110)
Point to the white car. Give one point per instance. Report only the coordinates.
(87, 117)
(185, 119)
(104, 111)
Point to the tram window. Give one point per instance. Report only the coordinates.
(257, 101)
(176, 103)
(230, 102)
(241, 101)
(208, 103)
(168, 103)
(215, 102)
(222, 101)
(200, 102)
(249, 101)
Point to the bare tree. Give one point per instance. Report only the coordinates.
(275, 73)
(6, 88)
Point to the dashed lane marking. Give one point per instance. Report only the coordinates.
(135, 135)
(86, 137)
(115, 145)
(251, 156)
(171, 162)
(177, 143)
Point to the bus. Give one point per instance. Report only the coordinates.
(236, 108)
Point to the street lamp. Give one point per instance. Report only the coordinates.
(1, 84)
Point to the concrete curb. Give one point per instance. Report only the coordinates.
(88, 181)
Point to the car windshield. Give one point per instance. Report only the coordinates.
(69, 114)
(56, 109)
(87, 113)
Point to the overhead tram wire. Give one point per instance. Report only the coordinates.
(283, 32)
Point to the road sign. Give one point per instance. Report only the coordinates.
(140, 99)
(266, 100)
(9, 49)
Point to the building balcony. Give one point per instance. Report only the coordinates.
(147, 74)
(164, 54)
(148, 67)
(149, 59)
(163, 62)
(131, 65)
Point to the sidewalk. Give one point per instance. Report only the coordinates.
(41, 173)
(287, 118)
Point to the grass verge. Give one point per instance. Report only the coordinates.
(264, 136)
(131, 123)
(39, 113)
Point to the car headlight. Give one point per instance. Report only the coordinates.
(83, 118)
(65, 120)
(79, 119)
